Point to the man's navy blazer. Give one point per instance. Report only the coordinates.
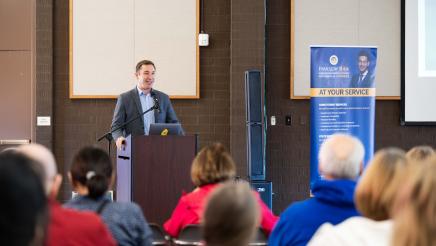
(129, 106)
(367, 82)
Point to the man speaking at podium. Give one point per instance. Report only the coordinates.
(132, 103)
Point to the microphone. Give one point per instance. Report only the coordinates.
(156, 104)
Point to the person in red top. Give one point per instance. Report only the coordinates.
(70, 227)
(212, 166)
(66, 226)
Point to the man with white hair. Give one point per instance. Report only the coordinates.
(66, 227)
(340, 163)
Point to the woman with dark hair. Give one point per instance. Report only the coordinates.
(91, 175)
(212, 166)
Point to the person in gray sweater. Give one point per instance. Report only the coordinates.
(91, 175)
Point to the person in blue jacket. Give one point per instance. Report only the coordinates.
(340, 163)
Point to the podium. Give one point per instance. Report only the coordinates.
(154, 171)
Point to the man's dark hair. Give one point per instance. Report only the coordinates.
(364, 53)
(144, 62)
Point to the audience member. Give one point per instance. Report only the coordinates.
(212, 165)
(415, 224)
(340, 162)
(66, 226)
(231, 216)
(23, 207)
(91, 175)
(375, 196)
(419, 153)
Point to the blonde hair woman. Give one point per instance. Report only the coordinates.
(416, 224)
(376, 191)
(374, 197)
(419, 153)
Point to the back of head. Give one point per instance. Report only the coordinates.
(44, 157)
(419, 153)
(376, 191)
(23, 205)
(231, 216)
(212, 164)
(415, 224)
(341, 157)
(92, 168)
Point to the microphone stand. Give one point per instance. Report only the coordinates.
(108, 135)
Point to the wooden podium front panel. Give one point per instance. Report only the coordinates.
(160, 173)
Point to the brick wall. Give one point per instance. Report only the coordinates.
(44, 69)
(247, 52)
(288, 147)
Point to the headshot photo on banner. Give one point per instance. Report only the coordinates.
(342, 80)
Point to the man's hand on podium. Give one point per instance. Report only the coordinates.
(121, 142)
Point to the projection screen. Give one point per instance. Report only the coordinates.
(418, 85)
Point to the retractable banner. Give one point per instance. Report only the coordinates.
(342, 97)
